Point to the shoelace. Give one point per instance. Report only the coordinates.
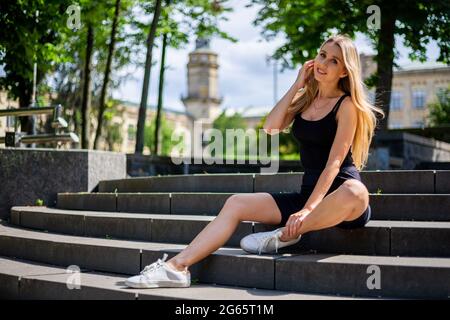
(155, 265)
(266, 239)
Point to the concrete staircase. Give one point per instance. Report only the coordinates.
(127, 224)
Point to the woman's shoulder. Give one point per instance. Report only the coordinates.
(347, 106)
(348, 98)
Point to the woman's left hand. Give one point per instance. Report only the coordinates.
(292, 228)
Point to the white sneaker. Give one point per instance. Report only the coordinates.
(159, 274)
(265, 242)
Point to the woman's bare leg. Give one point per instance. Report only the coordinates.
(345, 203)
(258, 207)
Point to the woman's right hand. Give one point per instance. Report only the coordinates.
(304, 73)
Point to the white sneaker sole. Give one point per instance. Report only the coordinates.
(158, 284)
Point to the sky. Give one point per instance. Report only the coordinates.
(245, 78)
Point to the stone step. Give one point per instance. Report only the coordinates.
(25, 280)
(358, 275)
(385, 276)
(421, 207)
(386, 181)
(388, 238)
(115, 225)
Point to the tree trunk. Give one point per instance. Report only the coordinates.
(86, 102)
(160, 95)
(109, 59)
(25, 102)
(148, 65)
(385, 61)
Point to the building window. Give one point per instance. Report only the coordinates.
(396, 100)
(131, 132)
(418, 124)
(395, 125)
(440, 92)
(418, 99)
(9, 121)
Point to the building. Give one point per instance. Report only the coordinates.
(6, 123)
(414, 86)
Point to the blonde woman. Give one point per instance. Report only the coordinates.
(334, 124)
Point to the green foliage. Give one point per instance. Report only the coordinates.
(307, 23)
(31, 32)
(440, 110)
(166, 130)
(234, 122)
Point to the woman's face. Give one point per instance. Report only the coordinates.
(329, 64)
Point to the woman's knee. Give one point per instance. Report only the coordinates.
(260, 207)
(235, 205)
(354, 193)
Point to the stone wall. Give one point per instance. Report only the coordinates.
(30, 174)
(402, 150)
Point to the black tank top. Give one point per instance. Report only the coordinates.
(315, 139)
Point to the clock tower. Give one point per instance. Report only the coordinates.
(202, 101)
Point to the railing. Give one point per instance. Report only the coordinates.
(14, 138)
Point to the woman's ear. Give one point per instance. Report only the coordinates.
(344, 74)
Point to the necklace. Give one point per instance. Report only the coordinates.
(314, 105)
(315, 108)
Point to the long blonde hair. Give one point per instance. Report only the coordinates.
(352, 84)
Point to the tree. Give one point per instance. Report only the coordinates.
(160, 94)
(440, 110)
(306, 24)
(86, 100)
(165, 138)
(198, 17)
(108, 58)
(147, 70)
(113, 130)
(30, 33)
(111, 48)
(224, 122)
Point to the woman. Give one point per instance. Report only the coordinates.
(330, 113)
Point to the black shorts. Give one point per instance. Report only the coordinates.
(291, 202)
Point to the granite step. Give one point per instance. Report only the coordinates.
(421, 207)
(389, 238)
(352, 275)
(386, 181)
(28, 280)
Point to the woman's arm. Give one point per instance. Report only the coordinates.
(277, 119)
(323, 184)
